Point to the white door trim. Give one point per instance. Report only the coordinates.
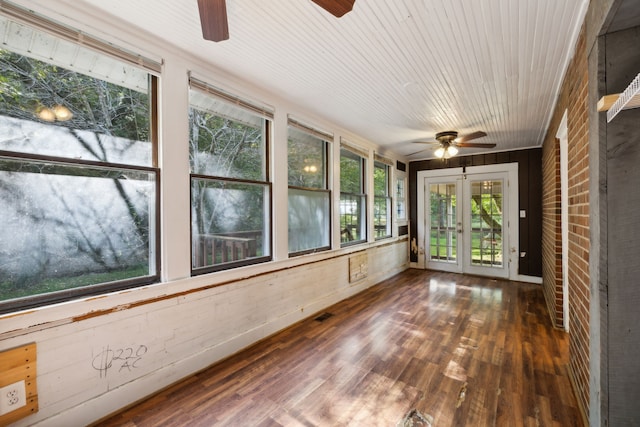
(511, 253)
(563, 136)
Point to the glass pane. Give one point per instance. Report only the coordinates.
(400, 188)
(307, 160)
(443, 241)
(225, 141)
(486, 223)
(433, 244)
(350, 172)
(352, 216)
(228, 222)
(400, 200)
(49, 110)
(308, 220)
(476, 240)
(69, 226)
(381, 179)
(352, 199)
(381, 217)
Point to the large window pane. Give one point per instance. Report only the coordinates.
(57, 233)
(222, 233)
(230, 192)
(352, 198)
(382, 201)
(225, 143)
(352, 214)
(309, 196)
(54, 111)
(77, 183)
(309, 219)
(307, 160)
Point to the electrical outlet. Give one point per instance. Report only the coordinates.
(12, 397)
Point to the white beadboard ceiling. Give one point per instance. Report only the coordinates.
(392, 72)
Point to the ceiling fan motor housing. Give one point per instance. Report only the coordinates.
(447, 136)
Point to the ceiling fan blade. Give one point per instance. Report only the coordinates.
(213, 18)
(337, 8)
(424, 149)
(417, 152)
(474, 145)
(469, 137)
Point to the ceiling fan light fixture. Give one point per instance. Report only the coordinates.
(450, 143)
(446, 152)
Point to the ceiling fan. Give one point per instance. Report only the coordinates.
(213, 15)
(449, 142)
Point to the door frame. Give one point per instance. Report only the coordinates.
(511, 253)
(563, 136)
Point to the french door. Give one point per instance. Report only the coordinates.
(466, 223)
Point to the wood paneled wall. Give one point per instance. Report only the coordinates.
(529, 198)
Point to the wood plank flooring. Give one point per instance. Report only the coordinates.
(462, 350)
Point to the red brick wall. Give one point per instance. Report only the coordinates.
(573, 98)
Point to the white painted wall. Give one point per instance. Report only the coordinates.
(166, 331)
(143, 340)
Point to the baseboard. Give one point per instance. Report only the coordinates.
(529, 279)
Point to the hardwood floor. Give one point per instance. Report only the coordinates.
(462, 350)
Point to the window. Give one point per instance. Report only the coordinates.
(230, 188)
(381, 201)
(309, 195)
(78, 181)
(353, 200)
(401, 207)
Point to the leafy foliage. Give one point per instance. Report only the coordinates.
(61, 209)
(226, 150)
(28, 85)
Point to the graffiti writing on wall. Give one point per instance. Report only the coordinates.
(122, 359)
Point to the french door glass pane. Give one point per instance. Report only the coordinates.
(486, 223)
(443, 232)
